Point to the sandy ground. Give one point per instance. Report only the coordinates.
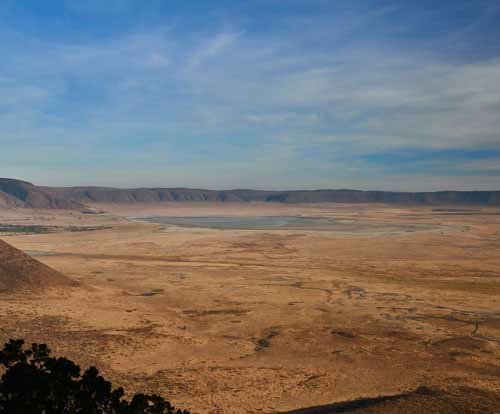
(263, 321)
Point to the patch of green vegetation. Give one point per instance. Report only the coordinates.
(37, 229)
(14, 228)
(87, 228)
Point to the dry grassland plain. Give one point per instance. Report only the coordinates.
(249, 321)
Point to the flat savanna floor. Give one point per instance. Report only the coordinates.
(249, 321)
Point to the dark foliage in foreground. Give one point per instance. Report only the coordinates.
(34, 382)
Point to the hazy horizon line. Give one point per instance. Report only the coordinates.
(201, 188)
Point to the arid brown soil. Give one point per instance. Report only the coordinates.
(263, 321)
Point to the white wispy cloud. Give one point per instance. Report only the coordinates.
(424, 103)
(280, 117)
(211, 47)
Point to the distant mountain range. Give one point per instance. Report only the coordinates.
(17, 193)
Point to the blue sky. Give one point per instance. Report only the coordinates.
(368, 94)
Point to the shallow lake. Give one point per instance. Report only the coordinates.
(247, 223)
(288, 223)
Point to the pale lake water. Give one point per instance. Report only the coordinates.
(247, 223)
(286, 223)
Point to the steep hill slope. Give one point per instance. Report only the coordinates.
(18, 271)
(8, 201)
(17, 193)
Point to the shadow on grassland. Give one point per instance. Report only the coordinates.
(463, 400)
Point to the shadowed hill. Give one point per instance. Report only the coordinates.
(424, 400)
(18, 271)
(17, 193)
(29, 195)
(8, 201)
